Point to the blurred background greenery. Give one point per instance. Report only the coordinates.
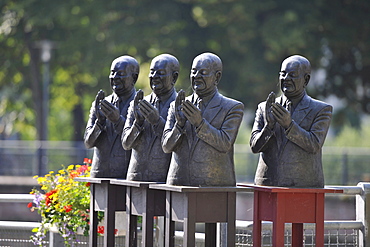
(251, 37)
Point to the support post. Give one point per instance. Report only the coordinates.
(55, 240)
(363, 213)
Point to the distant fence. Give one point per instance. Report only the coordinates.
(342, 165)
(29, 158)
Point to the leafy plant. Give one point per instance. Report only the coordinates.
(62, 203)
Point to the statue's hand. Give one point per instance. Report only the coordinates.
(99, 115)
(110, 111)
(281, 115)
(179, 115)
(150, 113)
(192, 113)
(139, 118)
(269, 117)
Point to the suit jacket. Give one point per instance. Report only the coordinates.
(110, 160)
(204, 156)
(292, 157)
(148, 161)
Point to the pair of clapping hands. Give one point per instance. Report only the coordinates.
(275, 112)
(185, 110)
(142, 109)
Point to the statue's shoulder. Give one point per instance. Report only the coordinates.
(318, 103)
(230, 102)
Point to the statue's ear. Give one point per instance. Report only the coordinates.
(306, 79)
(135, 76)
(218, 77)
(175, 75)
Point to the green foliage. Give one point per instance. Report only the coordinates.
(251, 37)
(351, 137)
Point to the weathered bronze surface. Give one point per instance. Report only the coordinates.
(289, 131)
(107, 118)
(145, 123)
(201, 129)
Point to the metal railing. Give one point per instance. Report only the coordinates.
(337, 233)
(342, 165)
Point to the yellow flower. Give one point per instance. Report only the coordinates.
(70, 167)
(62, 172)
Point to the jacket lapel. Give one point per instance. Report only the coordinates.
(302, 109)
(298, 116)
(210, 112)
(213, 107)
(124, 115)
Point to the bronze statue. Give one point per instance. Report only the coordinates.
(145, 123)
(289, 131)
(201, 129)
(107, 118)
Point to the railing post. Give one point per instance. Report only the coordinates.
(221, 234)
(55, 240)
(363, 213)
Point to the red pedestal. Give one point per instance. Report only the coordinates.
(288, 205)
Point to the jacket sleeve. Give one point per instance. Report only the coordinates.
(93, 129)
(131, 131)
(261, 134)
(172, 134)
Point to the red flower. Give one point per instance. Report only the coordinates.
(68, 208)
(87, 161)
(88, 184)
(48, 194)
(101, 229)
(82, 169)
(29, 205)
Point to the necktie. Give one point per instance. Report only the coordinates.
(288, 106)
(157, 103)
(200, 105)
(119, 104)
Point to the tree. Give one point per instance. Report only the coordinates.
(251, 37)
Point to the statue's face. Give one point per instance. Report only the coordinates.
(161, 76)
(292, 78)
(202, 76)
(121, 77)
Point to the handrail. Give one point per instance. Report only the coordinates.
(22, 198)
(328, 224)
(18, 225)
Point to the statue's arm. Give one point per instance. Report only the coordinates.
(131, 130)
(223, 138)
(172, 132)
(261, 133)
(313, 139)
(93, 129)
